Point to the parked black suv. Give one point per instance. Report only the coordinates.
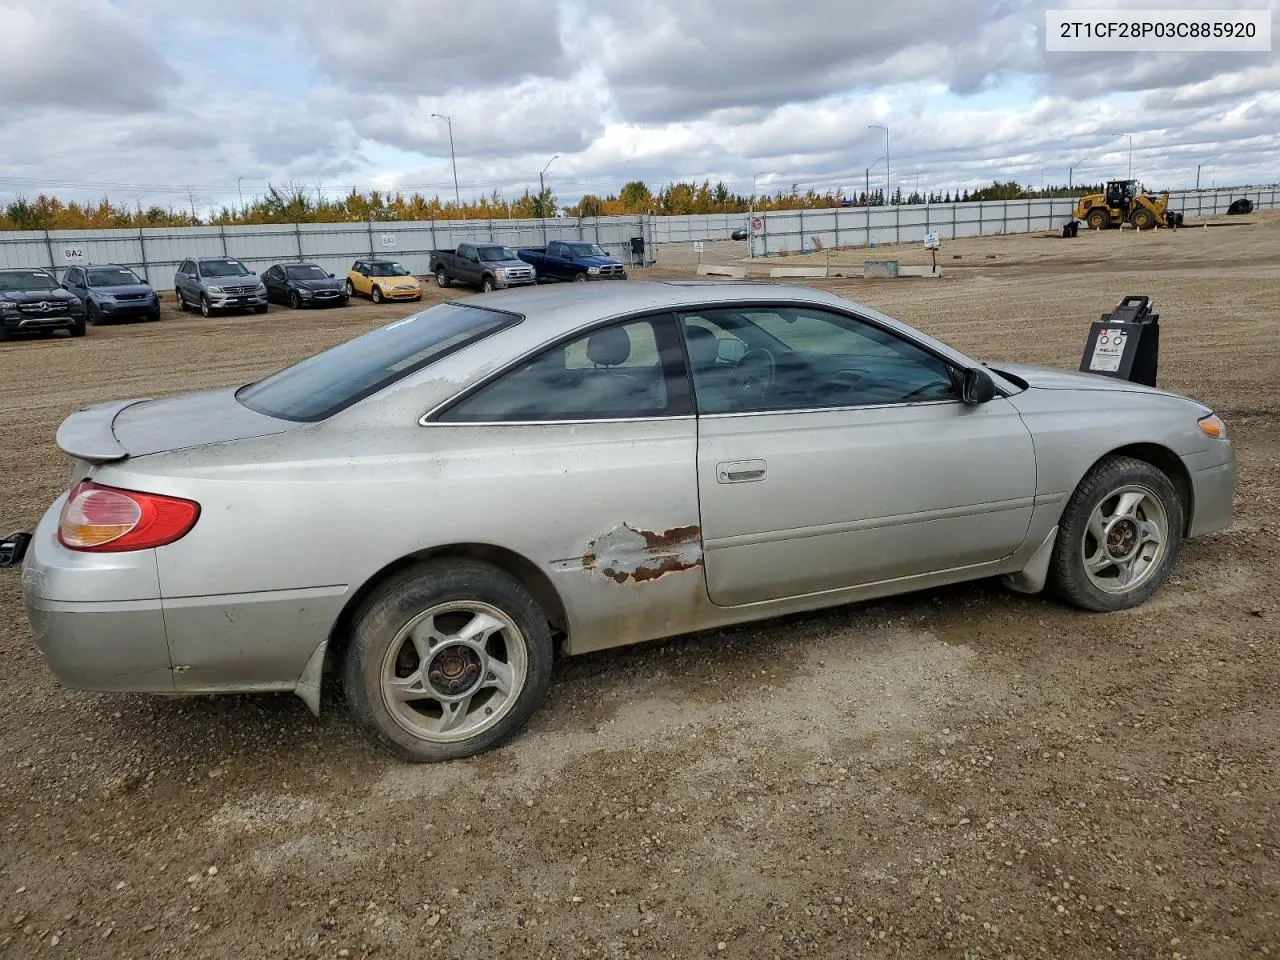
(303, 285)
(32, 301)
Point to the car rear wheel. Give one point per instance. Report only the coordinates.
(1120, 536)
(442, 278)
(376, 296)
(447, 659)
(294, 301)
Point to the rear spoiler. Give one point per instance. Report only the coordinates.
(87, 433)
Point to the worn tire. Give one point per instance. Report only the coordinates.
(1143, 219)
(1097, 219)
(1067, 576)
(397, 601)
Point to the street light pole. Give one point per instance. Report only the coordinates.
(542, 189)
(1071, 172)
(452, 156)
(880, 126)
(241, 192)
(868, 176)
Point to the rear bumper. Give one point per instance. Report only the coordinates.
(1213, 483)
(100, 624)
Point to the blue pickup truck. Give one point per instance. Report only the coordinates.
(573, 260)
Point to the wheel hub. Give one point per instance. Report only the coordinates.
(454, 670)
(1122, 538)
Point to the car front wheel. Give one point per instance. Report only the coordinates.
(294, 301)
(351, 290)
(376, 296)
(442, 278)
(447, 660)
(1120, 536)
(205, 309)
(182, 303)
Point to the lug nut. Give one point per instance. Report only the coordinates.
(453, 686)
(436, 676)
(472, 670)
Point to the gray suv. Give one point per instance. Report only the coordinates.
(218, 283)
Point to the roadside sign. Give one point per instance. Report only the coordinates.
(757, 223)
(73, 255)
(697, 246)
(931, 241)
(388, 239)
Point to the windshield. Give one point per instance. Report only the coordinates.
(27, 280)
(496, 253)
(306, 272)
(223, 268)
(328, 382)
(585, 250)
(113, 277)
(387, 268)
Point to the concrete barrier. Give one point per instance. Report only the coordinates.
(715, 270)
(798, 272)
(880, 268)
(933, 272)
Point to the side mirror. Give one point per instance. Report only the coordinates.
(731, 350)
(977, 387)
(332, 277)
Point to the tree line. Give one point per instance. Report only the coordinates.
(295, 203)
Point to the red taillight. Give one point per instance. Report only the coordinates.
(108, 519)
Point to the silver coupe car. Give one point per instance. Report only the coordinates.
(430, 509)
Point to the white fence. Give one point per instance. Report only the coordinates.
(793, 231)
(156, 252)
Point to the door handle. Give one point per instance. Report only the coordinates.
(740, 471)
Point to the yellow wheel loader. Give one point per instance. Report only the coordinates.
(1126, 202)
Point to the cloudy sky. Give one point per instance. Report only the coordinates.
(161, 101)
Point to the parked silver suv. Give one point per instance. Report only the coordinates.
(218, 283)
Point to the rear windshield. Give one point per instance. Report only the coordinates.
(328, 382)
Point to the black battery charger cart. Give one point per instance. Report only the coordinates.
(1125, 343)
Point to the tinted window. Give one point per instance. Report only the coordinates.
(306, 272)
(633, 369)
(223, 268)
(321, 385)
(27, 280)
(799, 358)
(112, 277)
(386, 268)
(71, 278)
(497, 253)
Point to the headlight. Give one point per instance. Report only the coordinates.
(593, 270)
(8, 305)
(500, 272)
(304, 293)
(1212, 426)
(262, 288)
(215, 290)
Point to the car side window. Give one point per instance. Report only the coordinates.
(795, 357)
(625, 370)
(70, 279)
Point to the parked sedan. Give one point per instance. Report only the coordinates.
(426, 510)
(381, 280)
(111, 292)
(303, 285)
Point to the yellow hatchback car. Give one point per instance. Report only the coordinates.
(381, 280)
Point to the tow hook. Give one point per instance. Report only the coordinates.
(13, 549)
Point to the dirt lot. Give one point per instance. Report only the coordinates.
(964, 773)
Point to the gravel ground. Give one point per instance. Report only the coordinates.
(962, 773)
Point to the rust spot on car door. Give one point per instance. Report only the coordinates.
(628, 553)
